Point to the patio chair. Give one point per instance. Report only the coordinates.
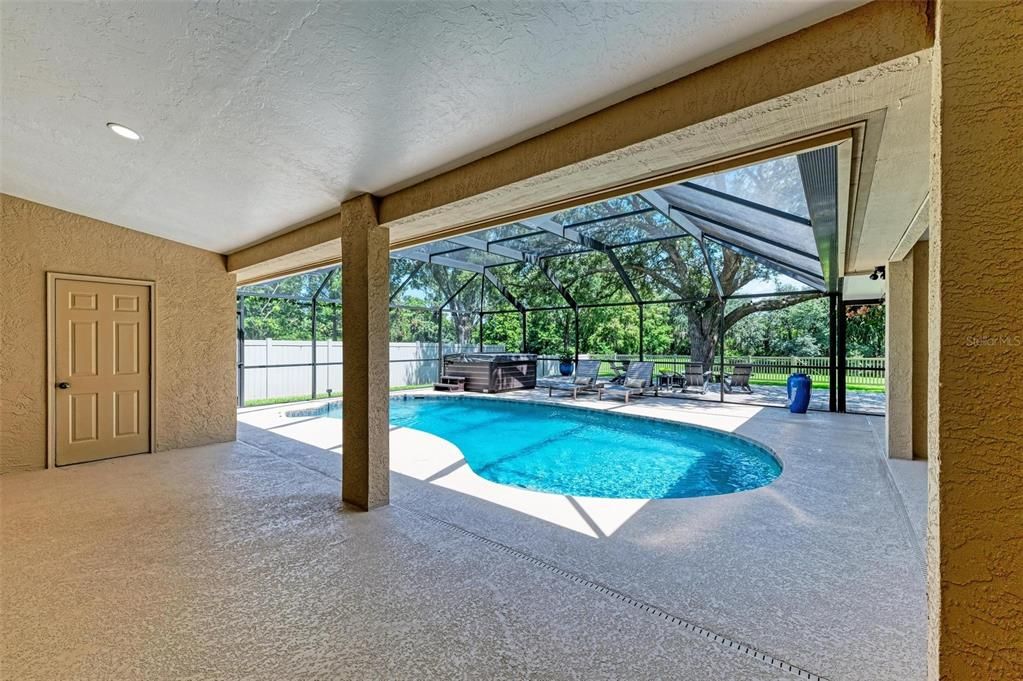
(739, 378)
(696, 377)
(585, 379)
(638, 378)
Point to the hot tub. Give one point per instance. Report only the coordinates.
(492, 372)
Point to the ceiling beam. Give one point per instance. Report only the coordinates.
(786, 65)
(685, 128)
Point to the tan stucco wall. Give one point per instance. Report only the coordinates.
(975, 505)
(195, 342)
(920, 384)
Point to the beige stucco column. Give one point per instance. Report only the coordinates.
(898, 360)
(365, 459)
(975, 510)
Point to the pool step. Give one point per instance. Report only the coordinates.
(451, 384)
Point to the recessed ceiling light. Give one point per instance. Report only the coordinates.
(124, 132)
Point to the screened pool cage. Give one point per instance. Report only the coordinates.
(666, 275)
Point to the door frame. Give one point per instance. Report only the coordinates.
(51, 349)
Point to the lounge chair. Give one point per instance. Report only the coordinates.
(696, 377)
(739, 378)
(638, 378)
(585, 379)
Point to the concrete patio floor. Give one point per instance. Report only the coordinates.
(235, 561)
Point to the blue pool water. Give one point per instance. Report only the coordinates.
(586, 453)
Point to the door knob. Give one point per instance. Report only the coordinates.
(63, 385)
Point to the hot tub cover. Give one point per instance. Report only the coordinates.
(490, 357)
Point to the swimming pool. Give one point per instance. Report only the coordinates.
(580, 452)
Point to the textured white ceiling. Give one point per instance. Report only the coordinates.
(258, 116)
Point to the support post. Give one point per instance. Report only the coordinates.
(898, 360)
(832, 351)
(313, 363)
(575, 311)
(241, 351)
(523, 344)
(440, 343)
(365, 458)
(721, 346)
(975, 452)
(840, 352)
(641, 332)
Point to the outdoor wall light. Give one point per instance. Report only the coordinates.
(124, 131)
(878, 273)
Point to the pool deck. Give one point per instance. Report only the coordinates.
(235, 561)
(857, 401)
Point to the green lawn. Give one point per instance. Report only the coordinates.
(819, 382)
(822, 383)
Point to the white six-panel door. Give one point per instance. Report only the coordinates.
(101, 369)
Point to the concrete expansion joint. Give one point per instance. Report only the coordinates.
(735, 646)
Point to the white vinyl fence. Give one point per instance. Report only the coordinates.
(411, 364)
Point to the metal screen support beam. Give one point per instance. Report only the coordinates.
(240, 320)
(440, 344)
(440, 323)
(502, 289)
(545, 270)
(313, 365)
(315, 310)
(577, 237)
(575, 311)
(832, 352)
(749, 234)
(641, 332)
(664, 208)
(808, 278)
(690, 228)
(403, 284)
(842, 348)
(444, 261)
(620, 269)
(455, 294)
(478, 244)
(721, 351)
(483, 292)
(522, 345)
(710, 268)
